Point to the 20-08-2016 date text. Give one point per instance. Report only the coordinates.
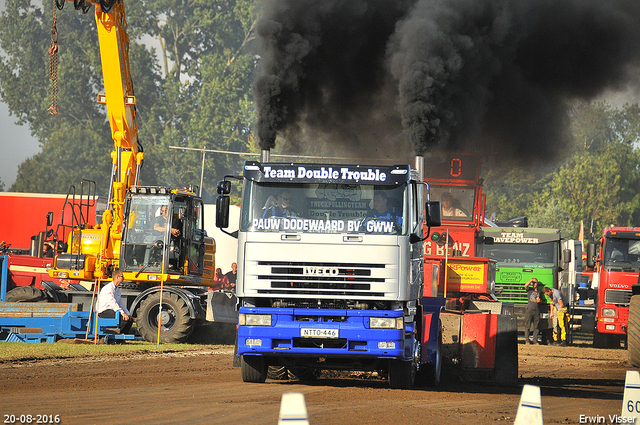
(31, 419)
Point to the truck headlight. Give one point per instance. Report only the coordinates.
(608, 312)
(254, 319)
(386, 323)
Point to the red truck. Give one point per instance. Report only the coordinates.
(479, 332)
(615, 260)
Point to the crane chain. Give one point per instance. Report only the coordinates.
(53, 65)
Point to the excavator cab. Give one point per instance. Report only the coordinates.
(163, 232)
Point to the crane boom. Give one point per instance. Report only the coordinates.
(120, 101)
(128, 237)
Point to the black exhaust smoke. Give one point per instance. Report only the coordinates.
(322, 71)
(453, 74)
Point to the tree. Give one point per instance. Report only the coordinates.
(596, 183)
(601, 186)
(192, 91)
(551, 215)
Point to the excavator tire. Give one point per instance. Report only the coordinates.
(633, 331)
(27, 294)
(177, 324)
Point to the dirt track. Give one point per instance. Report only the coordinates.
(203, 387)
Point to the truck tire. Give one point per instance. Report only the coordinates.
(303, 373)
(431, 373)
(601, 340)
(598, 339)
(177, 324)
(27, 294)
(253, 368)
(278, 372)
(633, 331)
(401, 374)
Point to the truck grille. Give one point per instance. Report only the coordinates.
(309, 278)
(617, 296)
(512, 293)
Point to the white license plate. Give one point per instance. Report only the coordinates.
(318, 333)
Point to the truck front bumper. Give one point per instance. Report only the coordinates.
(324, 333)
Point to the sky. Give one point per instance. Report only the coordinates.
(16, 143)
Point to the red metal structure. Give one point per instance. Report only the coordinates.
(479, 332)
(29, 220)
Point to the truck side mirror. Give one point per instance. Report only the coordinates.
(591, 254)
(224, 187)
(566, 257)
(222, 210)
(49, 219)
(433, 214)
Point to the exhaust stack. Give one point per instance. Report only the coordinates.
(265, 156)
(419, 166)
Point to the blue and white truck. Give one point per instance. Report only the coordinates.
(330, 270)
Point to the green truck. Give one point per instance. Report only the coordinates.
(523, 253)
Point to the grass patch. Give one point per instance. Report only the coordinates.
(20, 351)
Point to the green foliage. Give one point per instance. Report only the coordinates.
(191, 66)
(513, 191)
(551, 215)
(597, 182)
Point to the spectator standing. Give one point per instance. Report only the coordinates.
(532, 317)
(220, 281)
(559, 306)
(232, 276)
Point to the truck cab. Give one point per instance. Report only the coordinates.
(330, 270)
(164, 231)
(617, 268)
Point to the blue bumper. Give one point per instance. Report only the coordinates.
(324, 333)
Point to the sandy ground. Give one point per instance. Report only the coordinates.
(203, 387)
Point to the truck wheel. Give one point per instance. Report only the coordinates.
(599, 340)
(401, 374)
(27, 294)
(432, 372)
(277, 372)
(633, 331)
(253, 368)
(303, 373)
(176, 322)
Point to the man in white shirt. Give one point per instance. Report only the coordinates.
(110, 301)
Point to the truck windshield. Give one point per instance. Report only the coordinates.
(324, 208)
(145, 232)
(543, 254)
(456, 201)
(618, 251)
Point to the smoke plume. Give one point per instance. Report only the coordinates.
(437, 74)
